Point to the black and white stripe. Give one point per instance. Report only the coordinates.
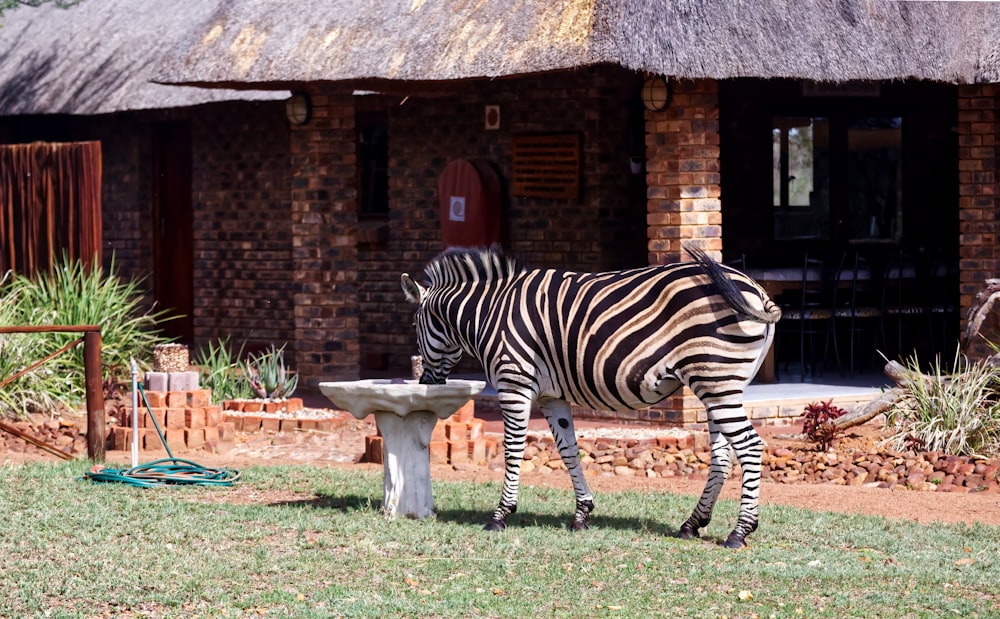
(617, 341)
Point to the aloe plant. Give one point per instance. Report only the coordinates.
(221, 371)
(267, 375)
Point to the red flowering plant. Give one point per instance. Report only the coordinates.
(818, 425)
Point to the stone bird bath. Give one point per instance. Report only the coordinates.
(406, 413)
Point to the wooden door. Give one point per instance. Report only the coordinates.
(173, 245)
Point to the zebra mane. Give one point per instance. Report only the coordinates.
(465, 264)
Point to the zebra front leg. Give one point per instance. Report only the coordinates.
(516, 410)
(722, 463)
(557, 413)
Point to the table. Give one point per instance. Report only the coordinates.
(774, 281)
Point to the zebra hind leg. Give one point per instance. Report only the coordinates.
(722, 462)
(558, 414)
(749, 448)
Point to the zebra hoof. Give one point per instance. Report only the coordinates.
(495, 525)
(735, 541)
(688, 532)
(579, 525)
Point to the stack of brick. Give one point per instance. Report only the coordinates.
(187, 419)
(457, 440)
(244, 414)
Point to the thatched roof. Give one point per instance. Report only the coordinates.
(98, 57)
(277, 42)
(823, 40)
(990, 56)
(267, 41)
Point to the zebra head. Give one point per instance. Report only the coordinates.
(435, 340)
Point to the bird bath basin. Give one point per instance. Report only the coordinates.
(406, 413)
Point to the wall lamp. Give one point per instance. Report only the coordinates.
(656, 93)
(298, 109)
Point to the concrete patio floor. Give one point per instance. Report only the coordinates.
(778, 404)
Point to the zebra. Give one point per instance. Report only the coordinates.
(620, 340)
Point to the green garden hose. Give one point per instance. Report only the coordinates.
(165, 471)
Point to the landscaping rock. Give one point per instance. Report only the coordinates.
(889, 469)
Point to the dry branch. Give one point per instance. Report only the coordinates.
(870, 410)
(983, 305)
(34, 441)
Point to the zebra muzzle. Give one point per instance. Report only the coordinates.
(429, 379)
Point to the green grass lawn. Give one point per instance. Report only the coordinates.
(72, 548)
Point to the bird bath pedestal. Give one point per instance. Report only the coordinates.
(406, 413)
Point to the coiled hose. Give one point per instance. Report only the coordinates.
(169, 470)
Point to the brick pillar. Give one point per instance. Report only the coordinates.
(683, 195)
(977, 172)
(324, 247)
(682, 173)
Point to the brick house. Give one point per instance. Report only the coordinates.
(298, 232)
(84, 74)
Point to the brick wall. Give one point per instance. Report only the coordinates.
(602, 229)
(324, 218)
(241, 199)
(682, 147)
(241, 183)
(126, 195)
(978, 197)
(126, 163)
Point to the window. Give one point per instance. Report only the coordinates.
(837, 177)
(373, 163)
(800, 149)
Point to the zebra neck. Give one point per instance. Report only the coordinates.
(471, 310)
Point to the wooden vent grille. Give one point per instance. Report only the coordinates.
(547, 166)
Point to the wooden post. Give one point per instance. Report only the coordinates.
(96, 425)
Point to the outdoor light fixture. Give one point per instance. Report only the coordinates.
(298, 109)
(656, 93)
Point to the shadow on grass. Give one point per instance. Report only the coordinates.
(343, 503)
(477, 517)
(526, 518)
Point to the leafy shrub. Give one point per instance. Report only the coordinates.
(954, 412)
(267, 375)
(817, 423)
(221, 371)
(69, 294)
(30, 392)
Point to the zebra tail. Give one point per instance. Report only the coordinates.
(731, 293)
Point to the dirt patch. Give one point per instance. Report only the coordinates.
(343, 447)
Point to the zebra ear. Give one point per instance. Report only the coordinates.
(414, 292)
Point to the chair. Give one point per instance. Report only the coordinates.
(739, 262)
(856, 312)
(807, 312)
(941, 283)
(903, 309)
